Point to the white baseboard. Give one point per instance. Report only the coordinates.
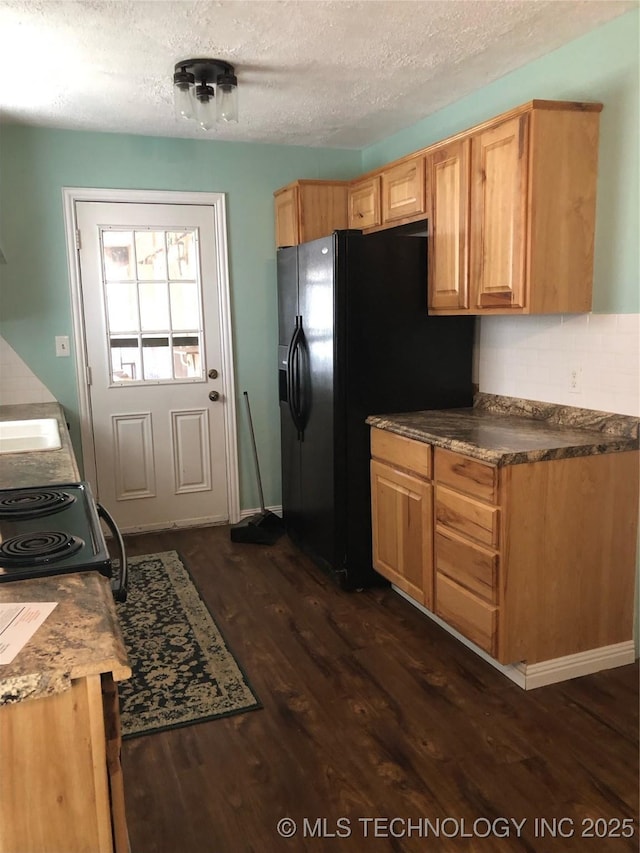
(207, 521)
(530, 676)
(245, 513)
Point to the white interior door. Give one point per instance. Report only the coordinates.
(151, 315)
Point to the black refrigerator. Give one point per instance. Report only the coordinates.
(354, 340)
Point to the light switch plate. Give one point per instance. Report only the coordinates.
(62, 346)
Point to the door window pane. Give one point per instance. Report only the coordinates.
(118, 255)
(185, 305)
(186, 356)
(125, 359)
(181, 247)
(151, 255)
(122, 306)
(156, 358)
(154, 306)
(153, 299)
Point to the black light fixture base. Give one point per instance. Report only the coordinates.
(205, 70)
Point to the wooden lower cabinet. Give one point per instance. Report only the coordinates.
(63, 791)
(402, 508)
(402, 513)
(531, 562)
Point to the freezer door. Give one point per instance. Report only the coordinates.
(287, 293)
(289, 441)
(316, 294)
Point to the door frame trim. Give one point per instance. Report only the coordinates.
(71, 195)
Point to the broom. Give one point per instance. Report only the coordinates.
(264, 527)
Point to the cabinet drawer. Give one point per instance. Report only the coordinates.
(467, 475)
(469, 565)
(467, 613)
(467, 516)
(414, 456)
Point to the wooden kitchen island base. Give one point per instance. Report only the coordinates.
(61, 788)
(57, 796)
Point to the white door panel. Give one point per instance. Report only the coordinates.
(150, 295)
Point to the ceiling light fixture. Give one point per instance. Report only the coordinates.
(205, 90)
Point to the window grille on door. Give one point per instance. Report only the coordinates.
(152, 293)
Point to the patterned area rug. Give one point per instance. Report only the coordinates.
(183, 671)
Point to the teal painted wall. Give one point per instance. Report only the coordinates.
(35, 303)
(602, 66)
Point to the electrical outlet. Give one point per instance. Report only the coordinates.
(575, 379)
(62, 346)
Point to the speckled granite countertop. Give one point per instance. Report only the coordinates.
(80, 637)
(509, 431)
(41, 467)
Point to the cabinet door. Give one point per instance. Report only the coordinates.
(499, 158)
(287, 222)
(403, 190)
(322, 208)
(448, 255)
(364, 203)
(401, 507)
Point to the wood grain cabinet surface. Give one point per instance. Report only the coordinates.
(402, 514)
(448, 259)
(531, 562)
(404, 191)
(513, 213)
(64, 790)
(365, 208)
(307, 210)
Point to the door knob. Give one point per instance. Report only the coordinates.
(213, 373)
(213, 396)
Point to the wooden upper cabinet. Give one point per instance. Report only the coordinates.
(449, 226)
(404, 190)
(307, 210)
(364, 203)
(497, 246)
(510, 206)
(527, 245)
(287, 219)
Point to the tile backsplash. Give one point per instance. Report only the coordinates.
(586, 360)
(17, 383)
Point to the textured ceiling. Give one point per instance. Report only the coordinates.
(332, 73)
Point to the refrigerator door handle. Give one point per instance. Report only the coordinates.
(293, 377)
(301, 360)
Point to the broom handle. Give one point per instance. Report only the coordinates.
(255, 452)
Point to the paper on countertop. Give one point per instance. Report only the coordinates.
(18, 623)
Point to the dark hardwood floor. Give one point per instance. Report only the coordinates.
(372, 711)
